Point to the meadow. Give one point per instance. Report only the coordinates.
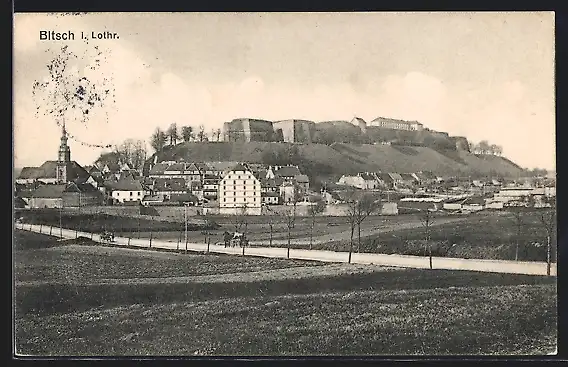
(75, 297)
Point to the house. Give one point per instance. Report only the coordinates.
(270, 198)
(82, 194)
(396, 178)
(385, 180)
(196, 189)
(165, 187)
(369, 181)
(303, 181)
(271, 185)
(288, 173)
(389, 208)
(193, 172)
(240, 190)
(152, 200)
(288, 192)
(48, 173)
(331, 197)
(47, 196)
(19, 203)
(186, 198)
(409, 179)
(211, 186)
(127, 191)
(355, 181)
(158, 170)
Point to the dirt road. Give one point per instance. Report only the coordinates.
(494, 266)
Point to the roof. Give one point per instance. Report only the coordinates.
(270, 193)
(169, 184)
(395, 176)
(271, 182)
(221, 166)
(49, 191)
(407, 177)
(188, 197)
(126, 185)
(303, 178)
(288, 171)
(358, 120)
(176, 167)
(201, 166)
(159, 168)
(384, 177)
(153, 198)
(367, 176)
(49, 170)
(239, 167)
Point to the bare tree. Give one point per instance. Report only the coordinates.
(133, 152)
(201, 135)
(484, 147)
(359, 206)
(296, 196)
(316, 208)
(548, 220)
(218, 134)
(427, 220)
(518, 216)
(158, 139)
(187, 133)
(173, 133)
(271, 223)
(290, 219)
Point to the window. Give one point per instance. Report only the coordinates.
(224, 199)
(239, 177)
(130, 193)
(234, 199)
(234, 182)
(118, 194)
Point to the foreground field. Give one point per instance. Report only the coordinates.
(76, 299)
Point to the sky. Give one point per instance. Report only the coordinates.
(486, 76)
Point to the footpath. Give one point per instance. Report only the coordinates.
(407, 261)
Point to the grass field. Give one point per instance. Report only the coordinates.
(98, 222)
(83, 299)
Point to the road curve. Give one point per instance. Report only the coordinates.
(407, 261)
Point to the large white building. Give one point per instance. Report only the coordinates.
(240, 190)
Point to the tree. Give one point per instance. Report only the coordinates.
(201, 135)
(316, 208)
(359, 206)
(498, 150)
(290, 219)
(427, 220)
(548, 220)
(187, 133)
(271, 222)
(133, 152)
(158, 139)
(484, 147)
(296, 196)
(518, 216)
(218, 134)
(173, 133)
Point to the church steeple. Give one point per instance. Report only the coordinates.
(63, 158)
(64, 151)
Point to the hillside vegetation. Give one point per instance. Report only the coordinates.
(339, 158)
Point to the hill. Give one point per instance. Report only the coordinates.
(339, 158)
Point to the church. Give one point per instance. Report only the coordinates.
(60, 183)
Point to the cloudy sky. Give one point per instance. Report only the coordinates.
(481, 75)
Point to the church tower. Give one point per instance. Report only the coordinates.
(64, 158)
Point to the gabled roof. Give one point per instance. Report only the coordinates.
(186, 198)
(82, 188)
(367, 177)
(30, 173)
(302, 179)
(395, 176)
(169, 184)
(384, 177)
(239, 167)
(176, 167)
(126, 185)
(159, 168)
(288, 171)
(49, 191)
(221, 166)
(358, 120)
(201, 166)
(271, 182)
(407, 177)
(270, 193)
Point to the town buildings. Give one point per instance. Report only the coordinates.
(240, 192)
